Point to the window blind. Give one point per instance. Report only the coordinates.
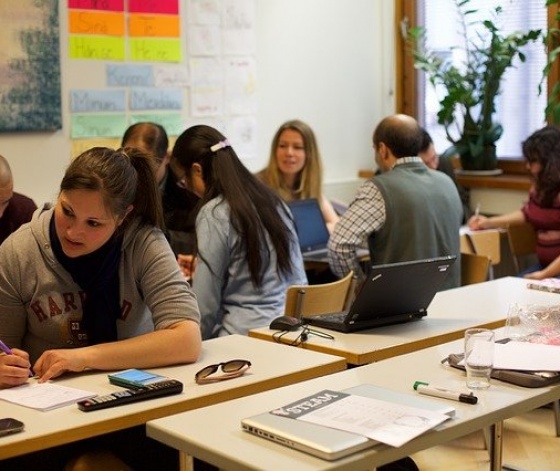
(519, 108)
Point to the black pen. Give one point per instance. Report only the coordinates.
(437, 391)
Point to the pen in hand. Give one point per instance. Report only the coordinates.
(477, 210)
(7, 350)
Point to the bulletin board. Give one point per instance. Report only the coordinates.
(320, 61)
(30, 93)
(172, 62)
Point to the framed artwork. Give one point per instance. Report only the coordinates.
(30, 92)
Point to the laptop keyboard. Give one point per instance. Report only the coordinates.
(316, 252)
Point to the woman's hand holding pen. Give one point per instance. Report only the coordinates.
(14, 368)
(477, 223)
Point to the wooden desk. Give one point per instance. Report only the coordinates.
(449, 315)
(273, 366)
(214, 434)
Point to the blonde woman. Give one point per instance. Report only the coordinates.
(294, 169)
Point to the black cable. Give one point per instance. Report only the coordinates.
(308, 331)
(301, 338)
(320, 334)
(277, 337)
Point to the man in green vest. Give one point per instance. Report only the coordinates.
(407, 212)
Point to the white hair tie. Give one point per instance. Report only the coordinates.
(220, 145)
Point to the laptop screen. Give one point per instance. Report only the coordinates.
(310, 225)
(401, 288)
(391, 294)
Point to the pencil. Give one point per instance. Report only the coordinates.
(477, 210)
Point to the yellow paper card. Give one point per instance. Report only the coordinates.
(97, 47)
(155, 50)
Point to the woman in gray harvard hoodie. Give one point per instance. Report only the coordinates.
(92, 282)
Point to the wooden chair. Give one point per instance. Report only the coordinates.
(486, 242)
(305, 300)
(522, 241)
(474, 268)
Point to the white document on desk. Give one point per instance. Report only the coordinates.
(44, 396)
(526, 356)
(384, 421)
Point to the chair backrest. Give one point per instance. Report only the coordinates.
(306, 300)
(522, 240)
(474, 268)
(485, 242)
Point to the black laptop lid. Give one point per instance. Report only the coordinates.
(310, 224)
(399, 289)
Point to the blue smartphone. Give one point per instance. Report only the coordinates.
(134, 378)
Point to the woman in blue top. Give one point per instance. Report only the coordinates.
(246, 246)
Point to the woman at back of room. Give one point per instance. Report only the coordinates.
(541, 151)
(294, 168)
(246, 246)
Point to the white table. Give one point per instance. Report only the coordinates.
(214, 434)
(273, 366)
(450, 313)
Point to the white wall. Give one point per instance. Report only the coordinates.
(497, 201)
(328, 62)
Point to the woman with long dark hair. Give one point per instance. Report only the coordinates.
(246, 245)
(542, 156)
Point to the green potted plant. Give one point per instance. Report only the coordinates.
(552, 43)
(469, 91)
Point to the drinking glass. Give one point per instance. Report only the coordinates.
(479, 357)
(514, 328)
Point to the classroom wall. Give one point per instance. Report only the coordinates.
(328, 62)
(497, 201)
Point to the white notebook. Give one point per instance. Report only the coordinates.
(44, 396)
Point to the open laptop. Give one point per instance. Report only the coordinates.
(311, 228)
(391, 294)
(329, 443)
